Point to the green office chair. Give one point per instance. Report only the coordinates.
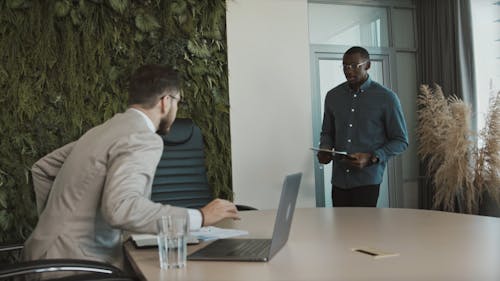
(181, 176)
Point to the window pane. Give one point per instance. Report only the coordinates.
(347, 25)
(402, 22)
(486, 34)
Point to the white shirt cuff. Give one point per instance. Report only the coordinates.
(194, 219)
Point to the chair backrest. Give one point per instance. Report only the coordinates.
(181, 176)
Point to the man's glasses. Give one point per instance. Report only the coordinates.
(354, 66)
(175, 98)
(180, 102)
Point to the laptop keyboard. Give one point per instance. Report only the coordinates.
(252, 248)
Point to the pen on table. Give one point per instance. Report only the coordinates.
(366, 252)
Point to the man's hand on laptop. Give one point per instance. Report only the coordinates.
(217, 210)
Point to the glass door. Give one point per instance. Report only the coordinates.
(386, 29)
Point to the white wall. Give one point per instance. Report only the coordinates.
(270, 97)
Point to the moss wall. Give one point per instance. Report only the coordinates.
(64, 68)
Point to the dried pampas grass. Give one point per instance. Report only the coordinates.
(434, 117)
(460, 171)
(488, 160)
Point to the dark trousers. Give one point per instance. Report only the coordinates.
(361, 196)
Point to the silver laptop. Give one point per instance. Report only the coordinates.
(257, 249)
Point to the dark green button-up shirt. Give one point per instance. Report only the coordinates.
(371, 121)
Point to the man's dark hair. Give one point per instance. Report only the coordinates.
(358, 50)
(149, 82)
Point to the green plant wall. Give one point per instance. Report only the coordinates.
(64, 67)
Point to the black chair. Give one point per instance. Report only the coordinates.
(181, 175)
(73, 269)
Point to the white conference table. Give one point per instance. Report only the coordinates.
(432, 245)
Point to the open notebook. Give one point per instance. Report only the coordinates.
(194, 237)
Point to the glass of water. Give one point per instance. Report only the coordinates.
(172, 244)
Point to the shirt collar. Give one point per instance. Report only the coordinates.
(366, 84)
(148, 121)
(363, 86)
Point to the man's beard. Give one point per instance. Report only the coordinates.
(164, 127)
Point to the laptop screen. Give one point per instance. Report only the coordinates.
(284, 216)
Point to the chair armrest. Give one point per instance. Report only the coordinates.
(10, 253)
(11, 247)
(60, 265)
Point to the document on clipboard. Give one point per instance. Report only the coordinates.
(332, 151)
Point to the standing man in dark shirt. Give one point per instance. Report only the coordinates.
(364, 119)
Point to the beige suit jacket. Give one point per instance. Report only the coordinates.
(89, 191)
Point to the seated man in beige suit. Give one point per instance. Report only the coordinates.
(89, 191)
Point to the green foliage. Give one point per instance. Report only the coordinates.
(64, 69)
(146, 22)
(119, 5)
